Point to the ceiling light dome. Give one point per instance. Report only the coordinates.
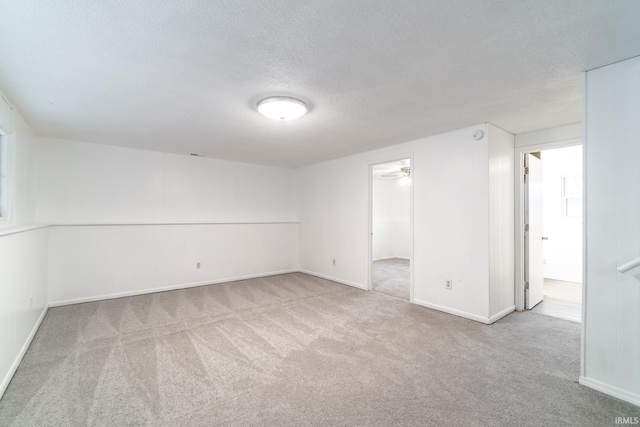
(282, 108)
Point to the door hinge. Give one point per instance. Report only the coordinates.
(526, 286)
(526, 227)
(526, 170)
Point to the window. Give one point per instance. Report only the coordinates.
(5, 173)
(572, 196)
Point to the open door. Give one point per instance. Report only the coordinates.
(533, 256)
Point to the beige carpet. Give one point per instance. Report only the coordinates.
(391, 277)
(297, 350)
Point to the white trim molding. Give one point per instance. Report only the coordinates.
(333, 279)
(610, 390)
(15, 230)
(166, 288)
(460, 313)
(392, 257)
(499, 315)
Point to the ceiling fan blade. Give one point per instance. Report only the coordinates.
(394, 175)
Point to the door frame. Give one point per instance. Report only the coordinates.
(371, 164)
(519, 209)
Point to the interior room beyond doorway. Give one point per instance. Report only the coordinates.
(391, 228)
(561, 198)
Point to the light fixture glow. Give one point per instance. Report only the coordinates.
(404, 181)
(282, 108)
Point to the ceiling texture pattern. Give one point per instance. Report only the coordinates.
(185, 76)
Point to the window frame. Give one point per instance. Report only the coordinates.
(572, 192)
(6, 179)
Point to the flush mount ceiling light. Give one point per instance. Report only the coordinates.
(282, 108)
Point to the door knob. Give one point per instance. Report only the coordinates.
(545, 238)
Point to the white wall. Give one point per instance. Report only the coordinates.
(501, 221)
(451, 218)
(80, 183)
(23, 253)
(562, 135)
(246, 216)
(563, 250)
(391, 219)
(612, 311)
(23, 142)
(96, 262)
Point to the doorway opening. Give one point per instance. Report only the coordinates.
(552, 232)
(390, 245)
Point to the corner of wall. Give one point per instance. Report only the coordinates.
(23, 251)
(502, 223)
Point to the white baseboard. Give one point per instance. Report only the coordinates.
(610, 390)
(334, 279)
(14, 366)
(499, 315)
(165, 288)
(453, 311)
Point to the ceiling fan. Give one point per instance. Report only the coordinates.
(403, 172)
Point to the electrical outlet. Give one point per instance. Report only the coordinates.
(334, 263)
(448, 284)
(197, 266)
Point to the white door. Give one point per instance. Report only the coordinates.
(534, 260)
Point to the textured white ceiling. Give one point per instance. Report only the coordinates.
(185, 76)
